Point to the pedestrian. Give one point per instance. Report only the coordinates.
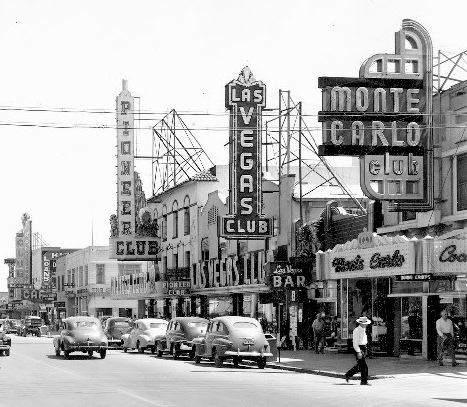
(445, 331)
(360, 341)
(318, 327)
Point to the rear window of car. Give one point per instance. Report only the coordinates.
(245, 325)
(122, 324)
(197, 324)
(157, 325)
(84, 324)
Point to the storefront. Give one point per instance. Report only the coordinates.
(364, 271)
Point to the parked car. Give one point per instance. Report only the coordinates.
(81, 334)
(12, 326)
(179, 337)
(5, 344)
(144, 334)
(30, 325)
(114, 328)
(233, 337)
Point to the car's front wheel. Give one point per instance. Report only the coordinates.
(103, 353)
(197, 359)
(66, 354)
(160, 351)
(261, 362)
(7, 352)
(57, 352)
(236, 360)
(90, 353)
(218, 360)
(139, 348)
(125, 350)
(153, 349)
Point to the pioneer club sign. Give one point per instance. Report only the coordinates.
(384, 116)
(245, 98)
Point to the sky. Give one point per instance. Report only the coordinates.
(62, 65)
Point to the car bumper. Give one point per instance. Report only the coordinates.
(86, 347)
(248, 354)
(4, 347)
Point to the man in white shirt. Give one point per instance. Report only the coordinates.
(360, 341)
(445, 331)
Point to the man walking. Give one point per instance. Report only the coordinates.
(360, 341)
(445, 331)
(318, 332)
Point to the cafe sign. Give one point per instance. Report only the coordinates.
(450, 256)
(379, 261)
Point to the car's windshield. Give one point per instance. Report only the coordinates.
(85, 324)
(157, 325)
(245, 325)
(197, 324)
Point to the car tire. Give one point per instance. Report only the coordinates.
(57, 352)
(139, 348)
(192, 353)
(1, 353)
(7, 352)
(261, 362)
(160, 351)
(103, 353)
(66, 354)
(197, 359)
(125, 350)
(90, 353)
(153, 349)
(175, 353)
(218, 360)
(236, 361)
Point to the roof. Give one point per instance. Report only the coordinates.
(205, 176)
(81, 318)
(230, 319)
(189, 319)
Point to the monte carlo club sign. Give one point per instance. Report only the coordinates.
(385, 117)
(245, 98)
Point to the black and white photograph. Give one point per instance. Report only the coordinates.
(251, 203)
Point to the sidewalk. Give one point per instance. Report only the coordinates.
(337, 364)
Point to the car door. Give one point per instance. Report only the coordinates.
(211, 336)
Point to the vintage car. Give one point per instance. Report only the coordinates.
(5, 344)
(81, 334)
(233, 337)
(12, 326)
(30, 325)
(144, 334)
(179, 337)
(114, 328)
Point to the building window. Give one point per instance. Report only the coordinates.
(100, 273)
(175, 261)
(213, 213)
(186, 221)
(175, 225)
(461, 182)
(187, 259)
(80, 276)
(407, 215)
(86, 275)
(164, 227)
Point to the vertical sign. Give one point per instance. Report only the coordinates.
(385, 117)
(245, 98)
(125, 163)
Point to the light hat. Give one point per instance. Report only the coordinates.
(364, 320)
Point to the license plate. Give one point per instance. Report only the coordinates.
(248, 343)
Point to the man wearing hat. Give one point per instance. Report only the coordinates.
(360, 341)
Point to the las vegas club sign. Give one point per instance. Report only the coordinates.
(245, 97)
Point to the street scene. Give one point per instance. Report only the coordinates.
(239, 204)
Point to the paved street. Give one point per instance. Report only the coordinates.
(33, 375)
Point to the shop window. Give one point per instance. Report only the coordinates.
(461, 182)
(407, 215)
(411, 328)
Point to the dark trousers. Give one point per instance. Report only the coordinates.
(446, 343)
(361, 366)
(319, 342)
